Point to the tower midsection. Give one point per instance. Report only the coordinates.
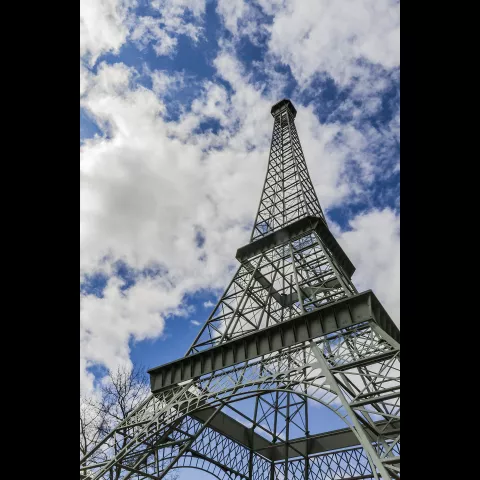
(292, 272)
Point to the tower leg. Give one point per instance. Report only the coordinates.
(357, 427)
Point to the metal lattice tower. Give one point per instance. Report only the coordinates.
(289, 331)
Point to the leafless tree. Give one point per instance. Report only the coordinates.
(91, 424)
(118, 395)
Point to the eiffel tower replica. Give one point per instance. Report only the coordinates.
(291, 332)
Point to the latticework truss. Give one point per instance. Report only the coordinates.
(290, 331)
(288, 192)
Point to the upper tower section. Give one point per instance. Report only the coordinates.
(288, 194)
(284, 104)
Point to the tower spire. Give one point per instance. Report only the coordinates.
(288, 194)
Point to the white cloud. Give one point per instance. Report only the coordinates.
(148, 30)
(108, 324)
(194, 322)
(161, 31)
(84, 78)
(373, 245)
(321, 37)
(232, 11)
(142, 194)
(208, 304)
(175, 8)
(244, 18)
(329, 36)
(103, 26)
(164, 82)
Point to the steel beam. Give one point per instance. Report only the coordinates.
(292, 230)
(322, 442)
(331, 317)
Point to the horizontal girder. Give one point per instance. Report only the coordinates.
(308, 363)
(349, 311)
(290, 231)
(322, 442)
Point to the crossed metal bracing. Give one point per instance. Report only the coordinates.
(288, 192)
(354, 372)
(289, 330)
(208, 450)
(290, 279)
(350, 464)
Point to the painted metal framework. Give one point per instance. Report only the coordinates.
(290, 330)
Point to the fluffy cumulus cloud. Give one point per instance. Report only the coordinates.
(162, 29)
(146, 193)
(104, 26)
(324, 36)
(172, 197)
(108, 322)
(329, 36)
(372, 242)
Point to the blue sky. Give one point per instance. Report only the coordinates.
(174, 138)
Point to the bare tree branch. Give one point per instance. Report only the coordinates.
(119, 393)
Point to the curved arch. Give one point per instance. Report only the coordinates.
(244, 396)
(187, 461)
(233, 392)
(296, 370)
(209, 450)
(181, 467)
(201, 462)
